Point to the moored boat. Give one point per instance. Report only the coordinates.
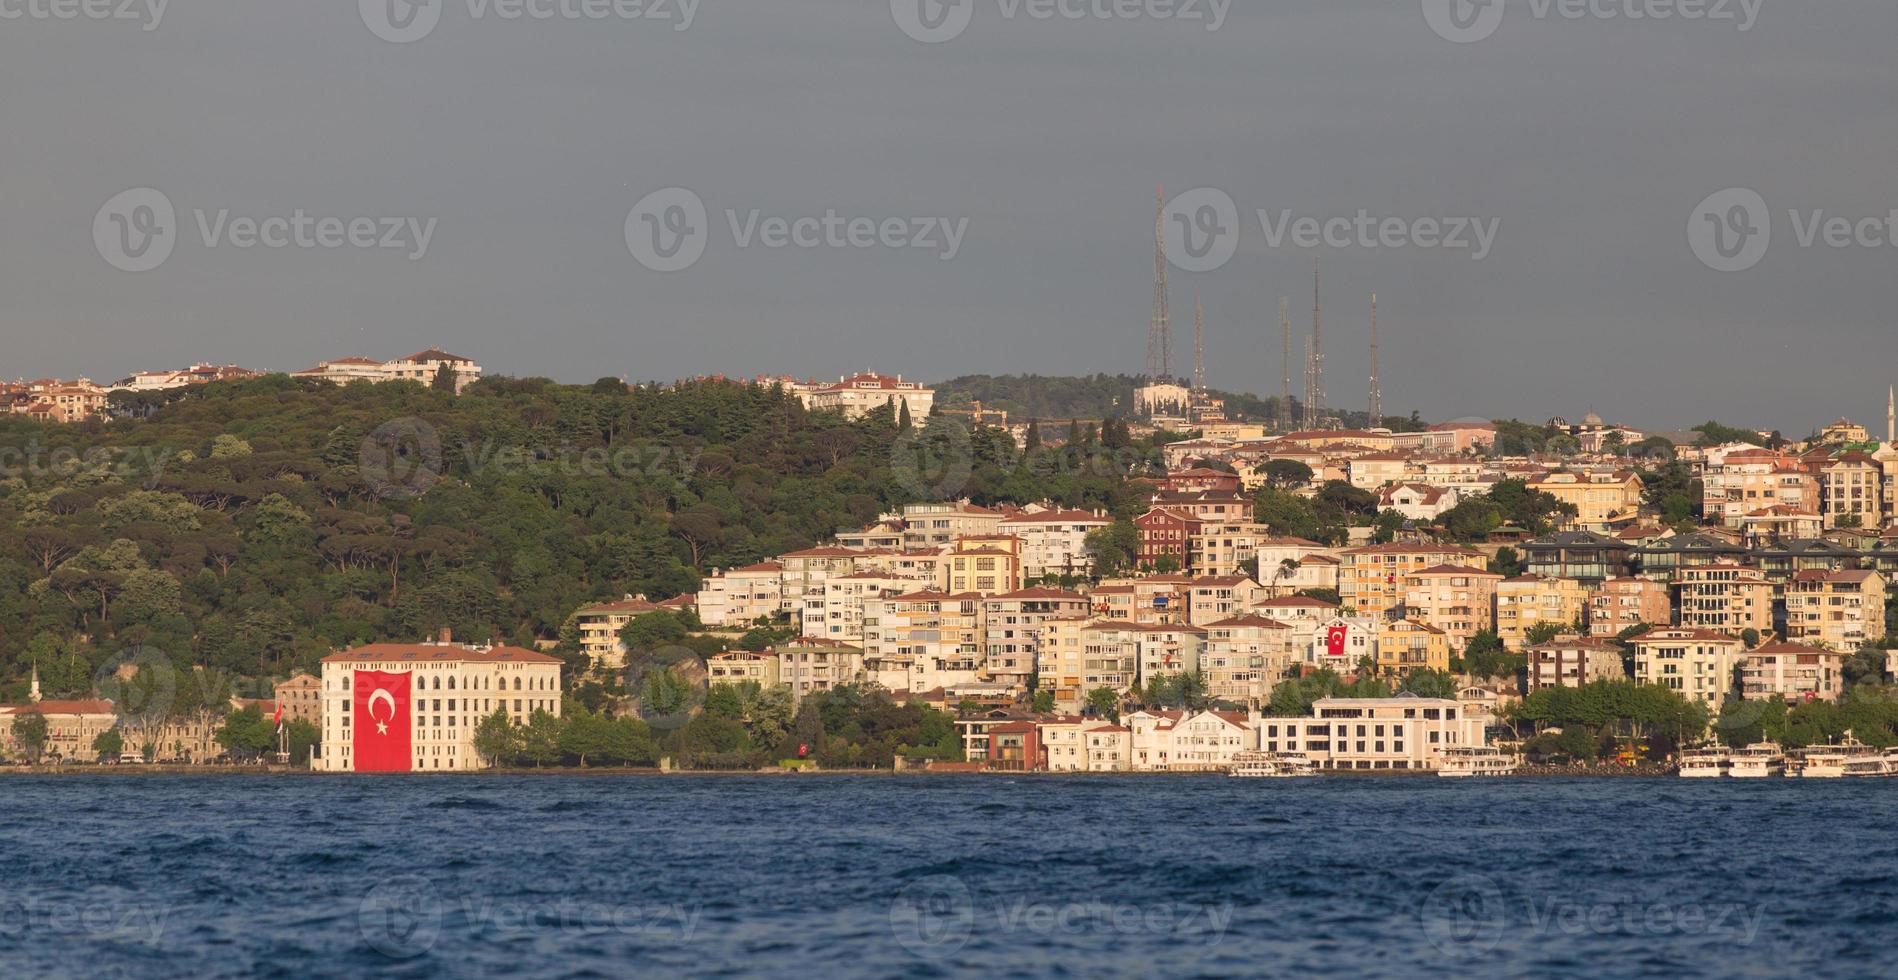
(1704, 763)
(1850, 757)
(1757, 761)
(1271, 765)
(1476, 761)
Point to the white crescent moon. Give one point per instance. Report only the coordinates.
(386, 696)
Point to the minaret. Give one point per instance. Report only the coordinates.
(33, 693)
(1159, 334)
(1891, 415)
(1199, 345)
(1377, 392)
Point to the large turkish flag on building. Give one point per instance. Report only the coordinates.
(380, 742)
(1334, 640)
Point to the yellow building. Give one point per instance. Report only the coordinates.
(1837, 610)
(989, 564)
(1526, 600)
(1371, 578)
(739, 666)
(1627, 601)
(1408, 645)
(1601, 500)
(1457, 599)
(71, 727)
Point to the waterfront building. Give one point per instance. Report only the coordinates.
(439, 693)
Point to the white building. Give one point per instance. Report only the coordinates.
(422, 367)
(451, 688)
(861, 394)
(1054, 542)
(740, 595)
(1377, 733)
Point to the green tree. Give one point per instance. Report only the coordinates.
(247, 733)
(540, 740)
(444, 379)
(29, 733)
(1104, 702)
(301, 736)
(1113, 547)
(108, 746)
(496, 740)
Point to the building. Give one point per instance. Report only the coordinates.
(987, 563)
(812, 665)
(301, 697)
(1571, 660)
(600, 624)
(418, 704)
(1730, 598)
(1527, 600)
(1245, 656)
(53, 400)
(938, 525)
(1054, 542)
(1166, 534)
(1378, 733)
(1457, 599)
(739, 666)
(1841, 610)
(805, 572)
(1793, 671)
(422, 367)
(1077, 656)
(836, 615)
(1177, 741)
(1751, 479)
(1602, 500)
(1698, 664)
(1371, 578)
(1214, 597)
(1582, 555)
(860, 394)
(1168, 651)
(1852, 492)
(1417, 501)
(919, 641)
(1625, 602)
(1012, 628)
(1406, 645)
(737, 596)
(196, 374)
(71, 727)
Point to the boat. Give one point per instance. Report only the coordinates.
(1271, 765)
(1756, 761)
(1477, 761)
(1705, 763)
(1850, 757)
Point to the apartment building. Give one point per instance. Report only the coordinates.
(1602, 501)
(804, 573)
(811, 665)
(1211, 597)
(1852, 491)
(1698, 664)
(1840, 610)
(599, 625)
(736, 596)
(1406, 645)
(1624, 602)
(985, 563)
(1166, 534)
(1377, 733)
(937, 525)
(1572, 660)
(1748, 480)
(920, 641)
(1457, 599)
(1012, 628)
(1245, 656)
(1526, 600)
(1797, 672)
(1730, 598)
(741, 666)
(1054, 542)
(836, 614)
(1417, 501)
(1371, 578)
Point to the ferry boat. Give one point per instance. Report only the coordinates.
(1850, 757)
(1757, 761)
(1271, 765)
(1704, 763)
(1474, 761)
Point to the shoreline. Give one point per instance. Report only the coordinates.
(137, 771)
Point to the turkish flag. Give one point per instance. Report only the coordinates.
(1334, 640)
(380, 742)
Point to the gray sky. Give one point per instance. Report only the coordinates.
(1589, 141)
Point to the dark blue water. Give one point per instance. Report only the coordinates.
(933, 876)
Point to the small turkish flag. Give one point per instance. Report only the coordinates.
(277, 719)
(1334, 640)
(381, 740)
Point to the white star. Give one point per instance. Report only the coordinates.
(382, 729)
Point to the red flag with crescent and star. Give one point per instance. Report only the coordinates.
(380, 742)
(1334, 640)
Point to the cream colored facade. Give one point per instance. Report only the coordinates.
(1723, 597)
(1793, 671)
(1011, 630)
(809, 665)
(451, 689)
(988, 564)
(1697, 664)
(1853, 484)
(71, 727)
(1378, 733)
(1214, 597)
(1168, 651)
(836, 614)
(1246, 656)
(923, 640)
(1526, 600)
(860, 394)
(1457, 599)
(936, 525)
(1840, 611)
(1407, 645)
(1054, 542)
(805, 573)
(599, 626)
(738, 596)
(1601, 500)
(1176, 741)
(740, 666)
(1571, 660)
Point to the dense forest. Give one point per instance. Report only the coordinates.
(253, 527)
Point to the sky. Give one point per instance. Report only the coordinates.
(553, 168)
